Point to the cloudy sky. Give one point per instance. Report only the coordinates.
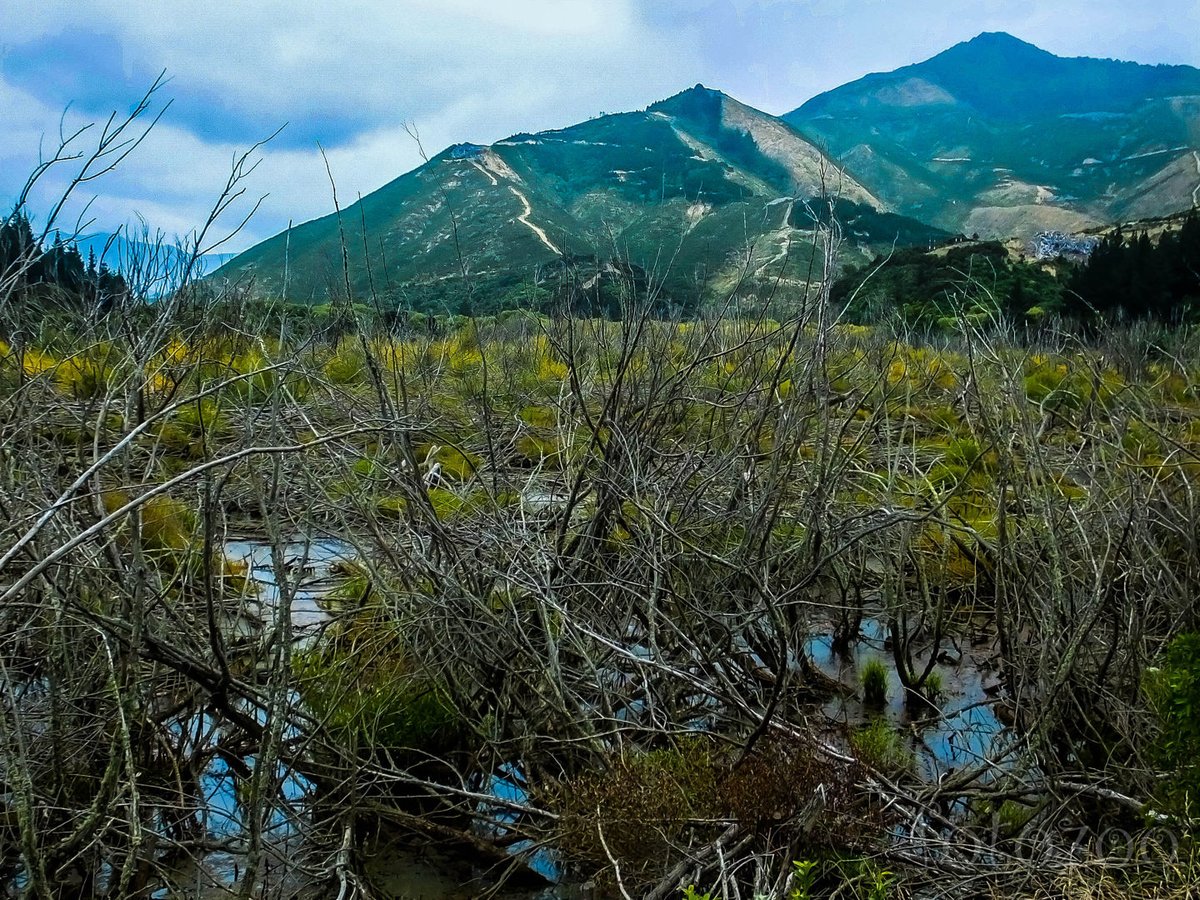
(356, 76)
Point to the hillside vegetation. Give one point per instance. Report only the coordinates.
(1129, 276)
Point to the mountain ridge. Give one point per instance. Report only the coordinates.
(696, 190)
(999, 136)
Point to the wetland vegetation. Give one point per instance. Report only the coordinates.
(753, 605)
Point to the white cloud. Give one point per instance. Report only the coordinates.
(351, 74)
(373, 60)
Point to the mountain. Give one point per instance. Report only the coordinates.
(999, 137)
(690, 190)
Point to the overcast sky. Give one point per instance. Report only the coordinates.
(351, 74)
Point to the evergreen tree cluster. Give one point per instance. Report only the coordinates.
(59, 268)
(1130, 276)
(930, 288)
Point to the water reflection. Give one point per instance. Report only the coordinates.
(962, 731)
(311, 568)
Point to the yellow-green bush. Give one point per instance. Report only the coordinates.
(86, 375)
(947, 558)
(541, 450)
(1141, 442)
(448, 505)
(166, 524)
(1052, 383)
(454, 464)
(35, 362)
(185, 432)
(371, 696)
(346, 366)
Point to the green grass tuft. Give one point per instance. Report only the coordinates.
(874, 679)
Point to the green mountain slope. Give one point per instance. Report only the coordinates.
(999, 137)
(693, 190)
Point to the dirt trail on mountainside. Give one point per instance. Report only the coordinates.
(524, 220)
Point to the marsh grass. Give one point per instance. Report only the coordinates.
(881, 746)
(874, 678)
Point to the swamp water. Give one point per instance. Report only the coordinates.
(959, 729)
(962, 730)
(398, 867)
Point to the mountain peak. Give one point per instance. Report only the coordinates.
(698, 100)
(998, 39)
(696, 92)
(997, 44)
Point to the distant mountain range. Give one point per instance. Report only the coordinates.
(129, 256)
(992, 136)
(999, 137)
